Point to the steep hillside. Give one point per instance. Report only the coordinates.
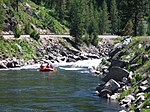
(28, 16)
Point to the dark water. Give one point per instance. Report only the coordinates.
(61, 91)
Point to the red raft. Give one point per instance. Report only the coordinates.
(45, 68)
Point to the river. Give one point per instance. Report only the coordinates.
(70, 89)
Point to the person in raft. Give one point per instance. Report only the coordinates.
(42, 66)
(49, 65)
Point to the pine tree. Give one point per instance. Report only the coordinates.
(114, 17)
(100, 22)
(122, 14)
(128, 30)
(137, 10)
(77, 22)
(2, 16)
(93, 29)
(104, 18)
(61, 10)
(148, 29)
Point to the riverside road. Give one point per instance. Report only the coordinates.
(58, 35)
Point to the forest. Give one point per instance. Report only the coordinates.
(92, 17)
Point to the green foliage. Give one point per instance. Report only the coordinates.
(94, 39)
(125, 93)
(28, 29)
(9, 49)
(114, 17)
(35, 35)
(137, 9)
(77, 23)
(128, 30)
(146, 103)
(138, 77)
(17, 31)
(2, 16)
(104, 18)
(80, 16)
(27, 48)
(86, 39)
(145, 110)
(148, 32)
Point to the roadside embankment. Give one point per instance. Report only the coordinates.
(126, 74)
(17, 52)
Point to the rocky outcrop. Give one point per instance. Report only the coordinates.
(119, 63)
(121, 66)
(55, 50)
(2, 64)
(116, 73)
(108, 88)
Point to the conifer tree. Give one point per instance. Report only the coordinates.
(77, 22)
(61, 10)
(128, 30)
(100, 22)
(104, 17)
(1, 16)
(93, 24)
(137, 10)
(148, 29)
(114, 17)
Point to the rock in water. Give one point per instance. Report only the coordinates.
(116, 73)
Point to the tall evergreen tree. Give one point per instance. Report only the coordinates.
(100, 21)
(2, 16)
(104, 18)
(136, 10)
(77, 22)
(61, 10)
(148, 29)
(114, 17)
(93, 29)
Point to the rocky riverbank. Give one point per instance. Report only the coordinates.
(26, 51)
(126, 74)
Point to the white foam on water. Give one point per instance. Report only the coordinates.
(79, 65)
(34, 66)
(87, 63)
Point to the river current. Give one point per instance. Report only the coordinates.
(70, 89)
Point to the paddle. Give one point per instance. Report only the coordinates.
(54, 69)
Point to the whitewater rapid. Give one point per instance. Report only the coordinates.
(79, 65)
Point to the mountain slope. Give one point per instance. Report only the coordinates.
(29, 16)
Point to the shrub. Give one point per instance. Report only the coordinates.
(86, 39)
(35, 35)
(94, 39)
(138, 77)
(148, 32)
(17, 31)
(28, 28)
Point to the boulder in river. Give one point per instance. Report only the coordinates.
(116, 73)
(2, 65)
(119, 63)
(109, 88)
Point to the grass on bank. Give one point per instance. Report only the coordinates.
(19, 48)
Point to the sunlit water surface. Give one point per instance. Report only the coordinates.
(67, 90)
